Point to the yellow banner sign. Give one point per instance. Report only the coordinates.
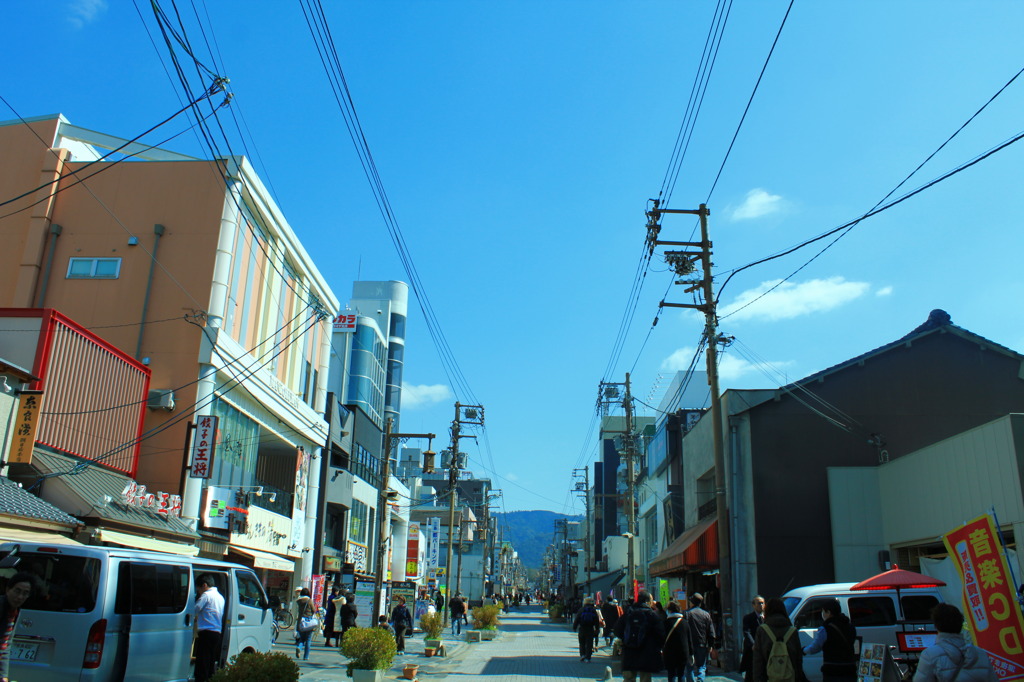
(24, 427)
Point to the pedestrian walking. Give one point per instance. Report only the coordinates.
(305, 623)
(347, 614)
(835, 639)
(777, 656)
(332, 628)
(643, 636)
(702, 638)
(458, 609)
(209, 622)
(587, 622)
(951, 658)
(676, 650)
(611, 612)
(751, 622)
(401, 621)
(19, 589)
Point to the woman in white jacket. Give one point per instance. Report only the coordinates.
(951, 659)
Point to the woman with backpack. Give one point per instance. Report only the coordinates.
(835, 639)
(401, 621)
(588, 623)
(777, 653)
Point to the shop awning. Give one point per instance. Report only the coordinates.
(266, 559)
(142, 542)
(24, 535)
(604, 583)
(695, 550)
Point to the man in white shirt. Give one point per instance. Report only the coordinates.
(209, 621)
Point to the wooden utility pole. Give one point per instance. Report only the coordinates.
(627, 403)
(464, 414)
(684, 264)
(584, 492)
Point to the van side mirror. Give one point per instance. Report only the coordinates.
(12, 559)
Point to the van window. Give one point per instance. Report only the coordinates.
(918, 606)
(872, 610)
(250, 592)
(151, 588)
(810, 614)
(65, 584)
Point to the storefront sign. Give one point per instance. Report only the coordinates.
(224, 510)
(990, 601)
(356, 555)
(203, 447)
(24, 427)
(299, 498)
(346, 322)
(135, 495)
(332, 563)
(412, 552)
(266, 531)
(434, 556)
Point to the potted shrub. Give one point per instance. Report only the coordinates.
(370, 651)
(432, 625)
(555, 612)
(486, 619)
(274, 667)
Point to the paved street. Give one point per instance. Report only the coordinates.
(529, 647)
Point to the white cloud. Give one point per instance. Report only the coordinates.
(884, 291)
(423, 395)
(511, 477)
(757, 203)
(679, 361)
(731, 367)
(772, 301)
(82, 12)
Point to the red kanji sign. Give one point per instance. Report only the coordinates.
(990, 600)
(203, 446)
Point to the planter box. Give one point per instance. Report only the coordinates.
(359, 675)
(432, 643)
(488, 635)
(473, 636)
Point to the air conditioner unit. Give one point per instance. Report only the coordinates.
(161, 399)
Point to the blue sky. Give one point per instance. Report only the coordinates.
(519, 142)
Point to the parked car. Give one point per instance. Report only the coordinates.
(873, 612)
(104, 614)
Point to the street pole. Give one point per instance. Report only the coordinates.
(627, 403)
(463, 414)
(683, 262)
(585, 493)
(462, 538)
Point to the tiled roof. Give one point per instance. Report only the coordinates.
(16, 501)
(94, 482)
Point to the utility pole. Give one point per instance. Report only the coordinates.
(684, 264)
(462, 539)
(384, 514)
(464, 414)
(627, 404)
(583, 491)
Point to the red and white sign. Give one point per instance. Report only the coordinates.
(990, 601)
(203, 447)
(346, 322)
(412, 557)
(135, 495)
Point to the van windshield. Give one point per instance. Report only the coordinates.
(65, 584)
(791, 603)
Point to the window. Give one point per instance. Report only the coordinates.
(918, 606)
(250, 592)
(94, 268)
(67, 583)
(874, 610)
(152, 588)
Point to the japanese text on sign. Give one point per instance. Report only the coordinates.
(24, 427)
(203, 447)
(135, 495)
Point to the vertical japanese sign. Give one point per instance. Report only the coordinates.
(990, 601)
(664, 596)
(412, 552)
(203, 447)
(299, 498)
(318, 589)
(24, 427)
(434, 558)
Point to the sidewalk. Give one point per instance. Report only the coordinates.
(529, 648)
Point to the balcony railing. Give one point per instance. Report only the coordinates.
(707, 509)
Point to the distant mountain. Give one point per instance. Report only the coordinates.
(530, 533)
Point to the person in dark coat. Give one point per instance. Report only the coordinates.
(702, 638)
(588, 623)
(610, 611)
(331, 617)
(676, 651)
(638, 662)
(751, 622)
(776, 619)
(835, 639)
(19, 589)
(401, 621)
(347, 613)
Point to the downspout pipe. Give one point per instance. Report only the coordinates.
(55, 231)
(158, 230)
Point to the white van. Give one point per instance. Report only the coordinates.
(106, 614)
(872, 612)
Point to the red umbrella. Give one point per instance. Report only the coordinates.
(898, 579)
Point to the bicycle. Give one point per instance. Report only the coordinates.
(284, 618)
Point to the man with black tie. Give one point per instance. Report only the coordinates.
(751, 622)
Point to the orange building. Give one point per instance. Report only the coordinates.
(190, 267)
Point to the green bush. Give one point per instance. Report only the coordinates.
(368, 648)
(555, 611)
(432, 625)
(486, 617)
(273, 667)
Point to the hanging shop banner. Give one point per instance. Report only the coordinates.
(318, 588)
(204, 446)
(412, 552)
(23, 427)
(664, 596)
(434, 557)
(299, 498)
(990, 601)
